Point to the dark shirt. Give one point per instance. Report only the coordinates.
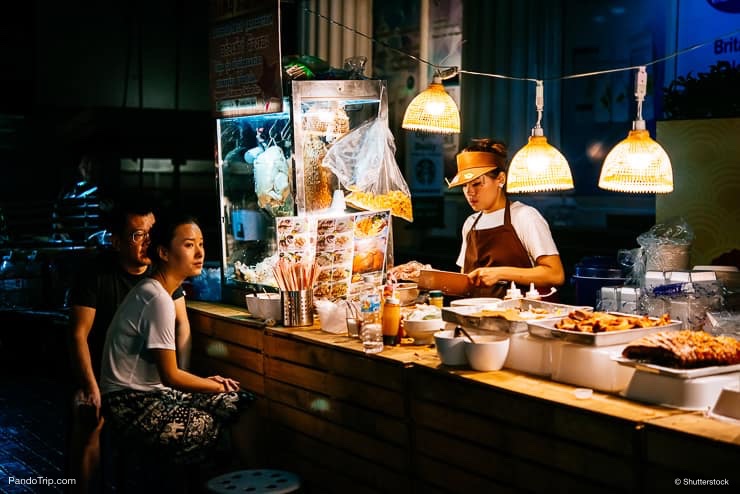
(102, 284)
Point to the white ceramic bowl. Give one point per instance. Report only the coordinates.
(265, 305)
(451, 349)
(422, 331)
(488, 353)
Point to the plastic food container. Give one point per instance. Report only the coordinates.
(590, 366)
(698, 393)
(530, 354)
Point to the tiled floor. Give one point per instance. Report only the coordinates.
(31, 432)
(33, 395)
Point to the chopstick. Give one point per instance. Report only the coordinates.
(293, 276)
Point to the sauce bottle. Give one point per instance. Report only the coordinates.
(391, 320)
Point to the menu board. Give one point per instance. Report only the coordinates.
(344, 247)
(245, 63)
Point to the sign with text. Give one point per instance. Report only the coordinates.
(245, 62)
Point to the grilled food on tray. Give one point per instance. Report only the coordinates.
(685, 349)
(599, 322)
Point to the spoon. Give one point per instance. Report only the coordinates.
(460, 329)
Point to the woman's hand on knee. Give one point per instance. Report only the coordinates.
(227, 383)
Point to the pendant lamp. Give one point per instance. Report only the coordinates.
(538, 166)
(433, 110)
(637, 164)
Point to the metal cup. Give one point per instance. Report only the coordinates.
(297, 308)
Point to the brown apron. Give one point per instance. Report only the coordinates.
(498, 246)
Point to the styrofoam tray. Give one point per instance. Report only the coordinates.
(530, 354)
(698, 393)
(589, 366)
(546, 328)
(680, 373)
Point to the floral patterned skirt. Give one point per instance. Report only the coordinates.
(183, 426)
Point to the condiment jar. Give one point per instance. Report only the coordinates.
(391, 320)
(436, 298)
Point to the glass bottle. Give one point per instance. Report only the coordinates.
(391, 320)
(371, 331)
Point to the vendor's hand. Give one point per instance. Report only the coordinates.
(227, 383)
(484, 276)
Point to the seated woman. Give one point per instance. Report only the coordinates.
(502, 241)
(145, 396)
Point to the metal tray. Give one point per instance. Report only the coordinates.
(546, 328)
(463, 315)
(679, 373)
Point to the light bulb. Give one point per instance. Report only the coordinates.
(538, 167)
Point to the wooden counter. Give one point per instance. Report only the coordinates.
(399, 421)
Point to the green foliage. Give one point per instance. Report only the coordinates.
(713, 94)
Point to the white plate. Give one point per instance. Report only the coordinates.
(681, 373)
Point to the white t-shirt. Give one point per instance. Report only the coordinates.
(145, 320)
(529, 225)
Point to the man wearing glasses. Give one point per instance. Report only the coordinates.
(95, 295)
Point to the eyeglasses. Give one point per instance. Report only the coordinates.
(139, 236)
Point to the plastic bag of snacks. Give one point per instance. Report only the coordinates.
(365, 164)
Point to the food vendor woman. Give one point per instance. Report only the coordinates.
(502, 241)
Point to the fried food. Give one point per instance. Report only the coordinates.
(685, 349)
(599, 322)
(395, 200)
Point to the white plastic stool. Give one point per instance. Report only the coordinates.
(255, 481)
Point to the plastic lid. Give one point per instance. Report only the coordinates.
(513, 292)
(435, 293)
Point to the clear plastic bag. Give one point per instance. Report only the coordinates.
(666, 245)
(272, 182)
(365, 164)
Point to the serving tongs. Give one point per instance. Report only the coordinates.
(460, 330)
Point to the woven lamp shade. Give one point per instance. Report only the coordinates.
(434, 111)
(638, 164)
(538, 167)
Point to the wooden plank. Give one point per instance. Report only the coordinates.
(590, 428)
(239, 334)
(251, 381)
(357, 470)
(542, 389)
(228, 352)
(496, 462)
(509, 440)
(345, 443)
(337, 387)
(315, 478)
(496, 474)
(200, 323)
(391, 429)
(685, 454)
(378, 372)
(451, 479)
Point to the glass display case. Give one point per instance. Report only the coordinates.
(324, 112)
(270, 166)
(254, 175)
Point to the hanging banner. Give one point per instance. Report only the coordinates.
(245, 62)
